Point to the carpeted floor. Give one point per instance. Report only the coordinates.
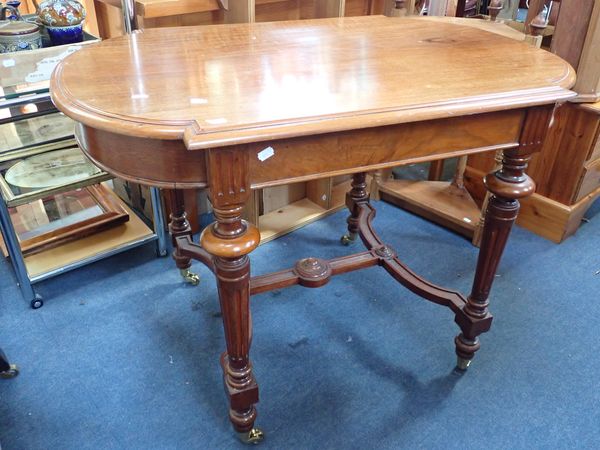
(125, 356)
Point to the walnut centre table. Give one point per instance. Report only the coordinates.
(233, 108)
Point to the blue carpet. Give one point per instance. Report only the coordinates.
(125, 356)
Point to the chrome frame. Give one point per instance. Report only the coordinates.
(7, 228)
(159, 222)
(14, 251)
(91, 259)
(18, 262)
(130, 23)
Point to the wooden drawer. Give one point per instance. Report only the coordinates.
(590, 181)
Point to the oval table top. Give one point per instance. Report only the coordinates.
(228, 84)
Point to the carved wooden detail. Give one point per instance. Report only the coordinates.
(195, 251)
(313, 272)
(233, 277)
(228, 241)
(537, 123)
(229, 189)
(385, 251)
(538, 24)
(506, 185)
(178, 226)
(357, 194)
(228, 172)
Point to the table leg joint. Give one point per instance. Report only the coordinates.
(190, 249)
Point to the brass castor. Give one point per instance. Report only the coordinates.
(462, 364)
(10, 373)
(254, 436)
(190, 277)
(348, 239)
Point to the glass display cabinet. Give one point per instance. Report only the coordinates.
(57, 210)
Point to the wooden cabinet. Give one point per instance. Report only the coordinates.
(588, 67)
(567, 173)
(170, 13)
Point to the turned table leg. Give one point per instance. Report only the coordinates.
(230, 239)
(500, 215)
(179, 226)
(356, 195)
(506, 186)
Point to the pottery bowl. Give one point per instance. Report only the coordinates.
(65, 35)
(61, 13)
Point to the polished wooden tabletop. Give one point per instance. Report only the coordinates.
(227, 84)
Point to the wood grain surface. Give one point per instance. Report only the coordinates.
(232, 84)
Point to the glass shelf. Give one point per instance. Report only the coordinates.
(54, 220)
(34, 132)
(53, 207)
(29, 178)
(25, 75)
(39, 157)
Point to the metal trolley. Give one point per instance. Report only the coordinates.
(24, 81)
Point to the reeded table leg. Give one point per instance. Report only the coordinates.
(179, 226)
(230, 239)
(507, 186)
(500, 215)
(357, 194)
(233, 281)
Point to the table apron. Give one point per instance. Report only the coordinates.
(168, 164)
(154, 162)
(304, 158)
